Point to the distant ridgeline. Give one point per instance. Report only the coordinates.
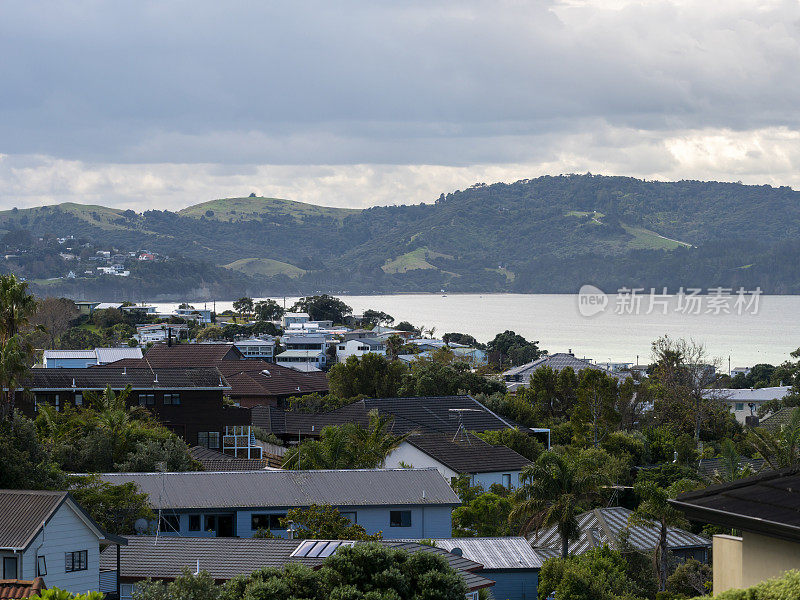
(546, 235)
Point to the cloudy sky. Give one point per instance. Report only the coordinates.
(355, 103)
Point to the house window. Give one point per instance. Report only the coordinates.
(208, 439)
(211, 523)
(350, 515)
(194, 522)
(41, 566)
(507, 480)
(76, 561)
(740, 406)
(147, 399)
(169, 523)
(399, 518)
(10, 567)
(172, 398)
(126, 591)
(265, 521)
(78, 399)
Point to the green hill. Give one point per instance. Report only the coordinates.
(549, 234)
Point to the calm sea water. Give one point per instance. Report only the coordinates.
(556, 322)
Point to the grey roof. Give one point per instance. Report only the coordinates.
(749, 395)
(107, 355)
(372, 343)
(74, 354)
(495, 552)
(604, 526)
(96, 378)
(286, 489)
(224, 558)
(23, 513)
(776, 420)
(557, 362)
(298, 354)
(709, 467)
(468, 453)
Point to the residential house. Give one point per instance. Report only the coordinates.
(765, 511)
(606, 525)
(358, 347)
(303, 349)
(462, 454)
(161, 332)
(517, 377)
(165, 558)
(86, 307)
(402, 503)
(508, 561)
(213, 460)
(201, 315)
(254, 347)
(290, 318)
(474, 356)
(740, 371)
(252, 382)
(778, 419)
(60, 359)
(187, 401)
(745, 403)
(47, 534)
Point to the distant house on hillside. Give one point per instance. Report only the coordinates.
(746, 402)
(358, 347)
(517, 377)
(290, 318)
(60, 359)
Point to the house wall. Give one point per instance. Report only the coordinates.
(512, 584)
(65, 532)
(70, 363)
(487, 479)
(413, 456)
(426, 521)
(741, 562)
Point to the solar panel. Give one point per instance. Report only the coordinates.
(317, 549)
(329, 549)
(304, 548)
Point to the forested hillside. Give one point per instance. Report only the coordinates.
(549, 234)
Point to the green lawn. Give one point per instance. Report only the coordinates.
(416, 259)
(644, 239)
(244, 209)
(264, 266)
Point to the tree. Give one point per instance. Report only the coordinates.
(655, 508)
(116, 508)
(782, 448)
(732, 467)
(431, 377)
(55, 593)
(53, 316)
(268, 310)
(323, 308)
(370, 375)
(243, 306)
(485, 515)
(78, 338)
(25, 462)
(188, 586)
(553, 491)
(599, 574)
(15, 356)
(462, 338)
(348, 446)
(511, 348)
(690, 578)
(211, 333)
(368, 571)
(406, 326)
(595, 414)
(519, 441)
(324, 522)
(394, 346)
(16, 306)
(376, 317)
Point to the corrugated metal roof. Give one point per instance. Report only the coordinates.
(604, 526)
(107, 355)
(22, 513)
(298, 354)
(74, 354)
(495, 552)
(748, 395)
(224, 558)
(243, 489)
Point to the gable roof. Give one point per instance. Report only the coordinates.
(224, 558)
(287, 489)
(423, 414)
(468, 453)
(767, 503)
(23, 513)
(494, 552)
(604, 526)
(98, 377)
(748, 395)
(778, 419)
(11, 589)
(557, 362)
(191, 355)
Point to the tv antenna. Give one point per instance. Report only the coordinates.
(461, 431)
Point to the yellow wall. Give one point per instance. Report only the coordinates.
(746, 561)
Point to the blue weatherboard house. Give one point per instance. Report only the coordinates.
(401, 503)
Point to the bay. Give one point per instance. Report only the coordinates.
(767, 335)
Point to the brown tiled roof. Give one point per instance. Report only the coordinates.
(247, 377)
(20, 588)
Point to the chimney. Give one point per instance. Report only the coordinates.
(570, 352)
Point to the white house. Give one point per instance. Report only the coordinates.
(59, 359)
(47, 534)
(201, 315)
(359, 347)
(301, 359)
(257, 348)
(294, 317)
(465, 454)
(746, 402)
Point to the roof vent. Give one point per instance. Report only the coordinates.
(73, 382)
(156, 379)
(124, 370)
(457, 551)
(265, 373)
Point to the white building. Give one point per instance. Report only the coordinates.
(746, 402)
(294, 317)
(257, 348)
(61, 359)
(301, 359)
(359, 347)
(160, 332)
(201, 315)
(47, 534)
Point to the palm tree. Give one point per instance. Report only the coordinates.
(732, 468)
(16, 306)
(554, 491)
(778, 449)
(377, 441)
(656, 510)
(14, 365)
(108, 400)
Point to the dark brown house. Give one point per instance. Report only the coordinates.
(252, 382)
(187, 401)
